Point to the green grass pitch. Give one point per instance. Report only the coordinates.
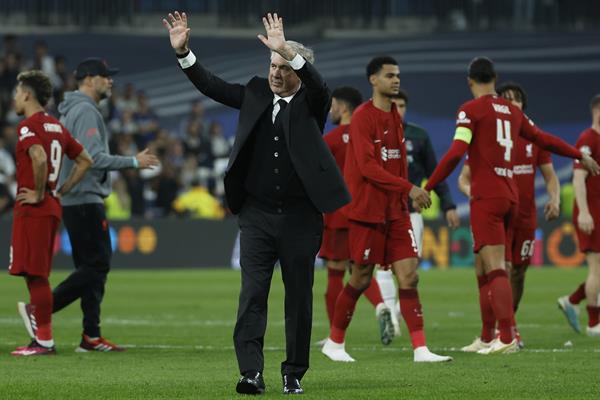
(177, 325)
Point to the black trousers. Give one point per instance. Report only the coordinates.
(265, 237)
(91, 248)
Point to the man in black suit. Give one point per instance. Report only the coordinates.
(281, 177)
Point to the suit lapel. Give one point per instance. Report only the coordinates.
(286, 117)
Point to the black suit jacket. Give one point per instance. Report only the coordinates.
(303, 121)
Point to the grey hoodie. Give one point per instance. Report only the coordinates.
(80, 115)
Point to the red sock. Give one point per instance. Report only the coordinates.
(578, 295)
(335, 284)
(373, 293)
(488, 319)
(502, 303)
(593, 315)
(40, 297)
(410, 307)
(344, 308)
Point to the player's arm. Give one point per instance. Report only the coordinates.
(442, 190)
(556, 145)
(83, 162)
(362, 145)
(210, 85)
(585, 221)
(448, 163)
(552, 207)
(39, 166)
(464, 180)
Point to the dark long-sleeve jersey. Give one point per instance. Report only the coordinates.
(422, 161)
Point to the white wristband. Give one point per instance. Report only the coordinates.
(297, 62)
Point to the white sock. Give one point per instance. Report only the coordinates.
(385, 279)
(45, 343)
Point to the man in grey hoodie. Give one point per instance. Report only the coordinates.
(83, 207)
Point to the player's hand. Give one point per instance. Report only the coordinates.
(452, 218)
(146, 160)
(590, 164)
(585, 223)
(275, 39)
(28, 196)
(420, 197)
(179, 33)
(551, 210)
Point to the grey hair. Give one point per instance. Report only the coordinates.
(307, 53)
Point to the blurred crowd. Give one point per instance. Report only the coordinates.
(193, 155)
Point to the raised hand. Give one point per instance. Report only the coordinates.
(179, 33)
(275, 39)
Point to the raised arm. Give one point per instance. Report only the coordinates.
(318, 94)
(229, 94)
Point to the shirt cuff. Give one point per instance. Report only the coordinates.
(297, 62)
(187, 61)
(136, 164)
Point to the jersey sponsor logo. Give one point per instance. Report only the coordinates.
(24, 133)
(345, 138)
(462, 118)
(526, 169)
(49, 127)
(504, 172)
(390, 154)
(529, 150)
(501, 108)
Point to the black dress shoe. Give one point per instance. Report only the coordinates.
(291, 385)
(251, 383)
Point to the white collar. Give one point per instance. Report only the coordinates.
(287, 99)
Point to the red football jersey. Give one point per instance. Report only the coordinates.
(337, 141)
(495, 125)
(376, 169)
(45, 130)
(589, 142)
(528, 157)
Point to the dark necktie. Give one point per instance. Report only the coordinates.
(282, 105)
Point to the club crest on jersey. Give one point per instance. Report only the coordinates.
(345, 138)
(462, 118)
(529, 150)
(24, 133)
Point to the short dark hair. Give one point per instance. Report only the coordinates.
(377, 63)
(595, 102)
(402, 94)
(514, 87)
(348, 95)
(39, 83)
(481, 70)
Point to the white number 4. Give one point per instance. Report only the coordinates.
(503, 137)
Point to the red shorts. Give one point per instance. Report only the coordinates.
(588, 243)
(382, 243)
(32, 245)
(492, 223)
(522, 247)
(335, 245)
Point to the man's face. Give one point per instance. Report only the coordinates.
(102, 86)
(20, 98)
(387, 81)
(400, 106)
(336, 111)
(514, 98)
(283, 81)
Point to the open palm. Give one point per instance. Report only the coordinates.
(275, 39)
(179, 33)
